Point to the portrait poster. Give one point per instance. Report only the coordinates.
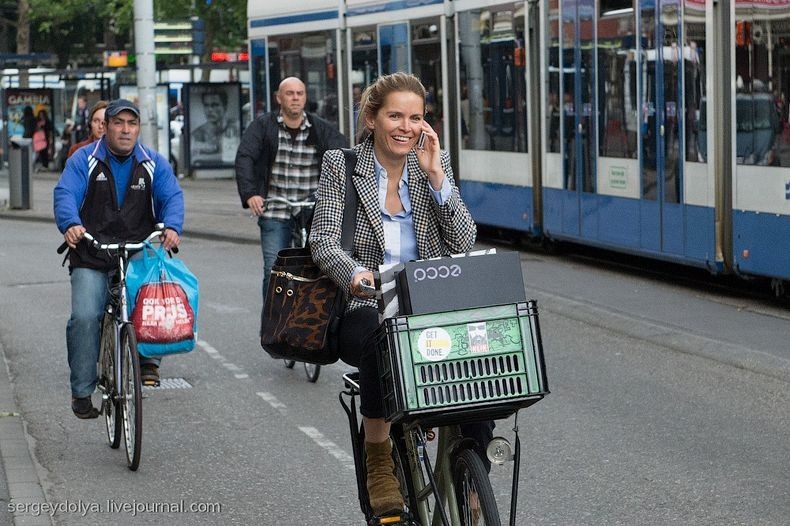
(213, 123)
(16, 100)
(129, 92)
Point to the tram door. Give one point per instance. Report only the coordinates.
(578, 129)
(661, 167)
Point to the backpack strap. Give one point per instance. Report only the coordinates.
(350, 211)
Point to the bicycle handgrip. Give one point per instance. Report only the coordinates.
(62, 248)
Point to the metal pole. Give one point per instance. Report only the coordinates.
(146, 70)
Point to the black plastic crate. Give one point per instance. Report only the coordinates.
(460, 366)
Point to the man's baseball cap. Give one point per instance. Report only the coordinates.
(118, 105)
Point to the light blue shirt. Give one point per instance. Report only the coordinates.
(400, 241)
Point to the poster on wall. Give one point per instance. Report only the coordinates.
(213, 124)
(129, 92)
(22, 107)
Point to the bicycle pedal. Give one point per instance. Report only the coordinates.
(402, 519)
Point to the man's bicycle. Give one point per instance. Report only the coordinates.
(119, 363)
(447, 483)
(301, 212)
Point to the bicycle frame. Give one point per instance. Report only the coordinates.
(121, 318)
(440, 483)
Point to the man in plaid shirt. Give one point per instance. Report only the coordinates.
(280, 155)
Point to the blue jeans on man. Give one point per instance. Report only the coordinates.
(89, 293)
(275, 236)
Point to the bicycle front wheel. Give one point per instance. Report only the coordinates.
(312, 371)
(110, 403)
(132, 397)
(473, 493)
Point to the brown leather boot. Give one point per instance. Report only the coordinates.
(383, 487)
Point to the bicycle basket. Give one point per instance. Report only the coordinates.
(461, 366)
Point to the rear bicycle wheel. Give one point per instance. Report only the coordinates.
(473, 493)
(312, 371)
(402, 467)
(110, 405)
(132, 399)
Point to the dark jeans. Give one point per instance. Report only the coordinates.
(357, 348)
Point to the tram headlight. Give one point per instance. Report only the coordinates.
(499, 451)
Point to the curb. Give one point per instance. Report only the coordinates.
(17, 459)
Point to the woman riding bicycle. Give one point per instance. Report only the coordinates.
(409, 208)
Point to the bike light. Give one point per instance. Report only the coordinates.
(499, 450)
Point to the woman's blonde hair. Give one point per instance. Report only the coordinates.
(373, 97)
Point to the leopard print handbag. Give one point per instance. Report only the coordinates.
(302, 311)
(303, 306)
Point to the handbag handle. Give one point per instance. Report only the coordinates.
(350, 211)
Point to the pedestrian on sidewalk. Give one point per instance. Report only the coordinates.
(43, 139)
(96, 125)
(280, 155)
(117, 189)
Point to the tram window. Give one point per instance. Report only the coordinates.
(364, 66)
(617, 73)
(616, 7)
(694, 83)
(553, 110)
(311, 58)
(762, 48)
(426, 53)
(493, 77)
(258, 76)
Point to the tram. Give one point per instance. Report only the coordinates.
(653, 127)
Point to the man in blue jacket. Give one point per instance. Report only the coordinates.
(116, 189)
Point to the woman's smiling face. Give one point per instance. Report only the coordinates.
(397, 125)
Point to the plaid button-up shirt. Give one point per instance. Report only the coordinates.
(296, 169)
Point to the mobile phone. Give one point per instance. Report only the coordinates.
(366, 288)
(421, 141)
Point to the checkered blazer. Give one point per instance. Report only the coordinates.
(440, 230)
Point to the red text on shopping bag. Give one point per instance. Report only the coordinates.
(162, 313)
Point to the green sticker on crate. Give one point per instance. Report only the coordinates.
(466, 339)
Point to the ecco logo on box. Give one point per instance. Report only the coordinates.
(440, 272)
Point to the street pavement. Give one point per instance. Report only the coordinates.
(213, 210)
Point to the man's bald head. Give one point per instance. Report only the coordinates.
(291, 82)
(292, 97)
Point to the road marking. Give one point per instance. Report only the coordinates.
(215, 354)
(225, 309)
(206, 347)
(271, 400)
(329, 446)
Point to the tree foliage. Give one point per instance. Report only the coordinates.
(77, 31)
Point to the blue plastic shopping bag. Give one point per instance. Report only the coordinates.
(163, 297)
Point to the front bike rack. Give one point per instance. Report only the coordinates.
(352, 390)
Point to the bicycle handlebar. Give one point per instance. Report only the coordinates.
(286, 202)
(160, 227)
